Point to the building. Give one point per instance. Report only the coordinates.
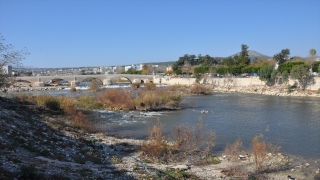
(7, 70)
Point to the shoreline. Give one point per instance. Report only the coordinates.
(266, 90)
(118, 158)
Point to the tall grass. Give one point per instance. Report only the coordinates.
(149, 86)
(259, 147)
(233, 150)
(89, 102)
(199, 89)
(158, 99)
(187, 139)
(117, 99)
(94, 87)
(156, 146)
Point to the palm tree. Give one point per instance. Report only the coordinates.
(312, 53)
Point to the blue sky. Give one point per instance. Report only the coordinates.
(74, 33)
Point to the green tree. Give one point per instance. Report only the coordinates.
(9, 56)
(282, 56)
(312, 52)
(285, 77)
(243, 58)
(274, 75)
(265, 73)
(302, 74)
(229, 62)
(191, 59)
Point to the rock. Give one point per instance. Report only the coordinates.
(181, 167)
(307, 164)
(292, 170)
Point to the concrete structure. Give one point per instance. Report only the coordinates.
(232, 81)
(76, 79)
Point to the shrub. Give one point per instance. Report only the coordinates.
(135, 85)
(259, 151)
(79, 120)
(73, 89)
(199, 89)
(265, 73)
(88, 102)
(94, 87)
(233, 150)
(117, 99)
(157, 100)
(190, 138)
(149, 86)
(156, 146)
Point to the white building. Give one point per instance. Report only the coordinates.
(7, 70)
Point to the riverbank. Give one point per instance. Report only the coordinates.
(266, 90)
(39, 143)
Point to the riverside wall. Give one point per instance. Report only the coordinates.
(229, 81)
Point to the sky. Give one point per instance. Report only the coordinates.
(77, 33)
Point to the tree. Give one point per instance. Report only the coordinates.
(274, 75)
(265, 73)
(228, 62)
(9, 56)
(285, 77)
(302, 74)
(282, 56)
(312, 52)
(244, 55)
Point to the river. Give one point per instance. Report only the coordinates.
(290, 122)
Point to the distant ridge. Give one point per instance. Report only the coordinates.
(253, 55)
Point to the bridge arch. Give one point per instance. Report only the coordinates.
(123, 77)
(92, 79)
(22, 81)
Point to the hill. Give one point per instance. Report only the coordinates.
(254, 55)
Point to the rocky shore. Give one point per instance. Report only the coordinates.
(36, 144)
(267, 90)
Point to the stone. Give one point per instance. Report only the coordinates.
(181, 167)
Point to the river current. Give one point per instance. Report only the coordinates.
(290, 122)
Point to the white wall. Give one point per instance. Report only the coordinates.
(226, 81)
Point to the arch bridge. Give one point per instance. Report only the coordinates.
(76, 79)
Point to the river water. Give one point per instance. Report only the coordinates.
(290, 122)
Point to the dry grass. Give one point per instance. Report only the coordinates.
(73, 89)
(89, 102)
(135, 85)
(199, 89)
(187, 140)
(233, 150)
(94, 87)
(79, 120)
(259, 147)
(149, 86)
(156, 146)
(117, 99)
(158, 99)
